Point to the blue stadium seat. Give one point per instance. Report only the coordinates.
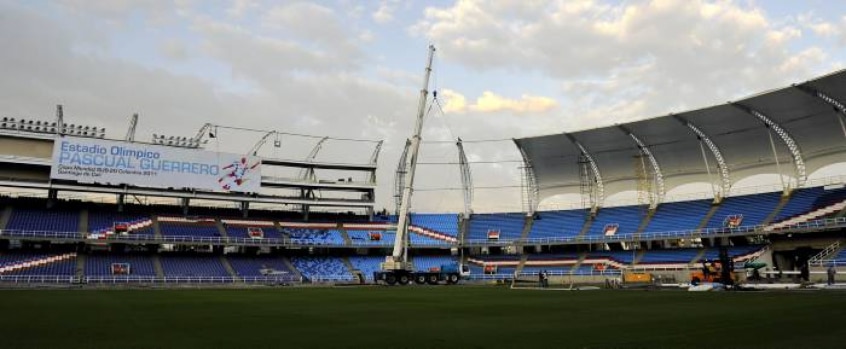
(509, 225)
(446, 224)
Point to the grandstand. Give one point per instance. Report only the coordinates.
(290, 230)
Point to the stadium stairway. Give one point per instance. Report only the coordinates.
(638, 256)
(707, 218)
(527, 227)
(463, 225)
(291, 267)
(785, 198)
(588, 223)
(83, 220)
(519, 268)
(157, 233)
(579, 261)
(4, 217)
(431, 234)
(229, 269)
(831, 250)
(646, 219)
(355, 272)
(222, 230)
(80, 266)
(344, 235)
(698, 256)
(157, 266)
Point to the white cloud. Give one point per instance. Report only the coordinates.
(490, 102)
(241, 7)
(385, 12)
(174, 49)
(645, 57)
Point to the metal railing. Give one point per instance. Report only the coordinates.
(133, 279)
(592, 272)
(819, 224)
(130, 279)
(606, 272)
(39, 279)
(330, 278)
(828, 223)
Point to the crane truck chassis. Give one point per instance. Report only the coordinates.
(448, 273)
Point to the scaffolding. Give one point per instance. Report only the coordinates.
(587, 183)
(643, 174)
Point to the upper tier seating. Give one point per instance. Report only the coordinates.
(754, 208)
(831, 196)
(675, 216)
(417, 239)
(810, 199)
(442, 223)
(241, 231)
(627, 218)
(189, 229)
(99, 221)
(362, 237)
(193, 266)
(509, 225)
(551, 224)
(322, 268)
(314, 236)
(44, 220)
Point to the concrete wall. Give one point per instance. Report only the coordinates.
(28, 147)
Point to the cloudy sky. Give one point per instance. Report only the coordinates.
(352, 69)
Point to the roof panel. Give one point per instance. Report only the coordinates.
(742, 138)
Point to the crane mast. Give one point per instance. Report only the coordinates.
(399, 257)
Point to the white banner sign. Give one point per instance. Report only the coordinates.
(153, 166)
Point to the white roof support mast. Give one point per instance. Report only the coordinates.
(400, 253)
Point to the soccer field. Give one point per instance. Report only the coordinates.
(419, 317)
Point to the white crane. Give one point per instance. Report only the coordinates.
(398, 260)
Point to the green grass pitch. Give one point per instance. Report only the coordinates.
(419, 317)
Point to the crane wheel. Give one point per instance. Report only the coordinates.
(404, 279)
(432, 279)
(391, 279)
(420, 279)
(452, 279)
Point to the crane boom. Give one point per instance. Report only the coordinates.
(400, 252)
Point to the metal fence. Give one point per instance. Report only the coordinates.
(820, 224)
(134, 279)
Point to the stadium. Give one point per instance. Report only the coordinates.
(158, 221)
(721, 226)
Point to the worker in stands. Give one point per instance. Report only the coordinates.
(831, 272)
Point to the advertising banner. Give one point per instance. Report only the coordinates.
(90, 160)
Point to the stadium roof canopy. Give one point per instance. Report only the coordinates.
(794, 131)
